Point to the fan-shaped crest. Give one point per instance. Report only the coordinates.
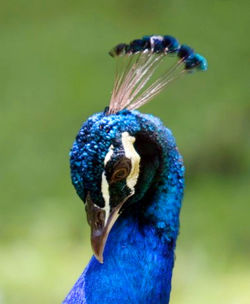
(138, 61)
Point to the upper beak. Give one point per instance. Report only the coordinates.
(100, 225)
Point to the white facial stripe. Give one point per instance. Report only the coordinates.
(130, 152)
(105, 184)
(109, 155)
(105, 194)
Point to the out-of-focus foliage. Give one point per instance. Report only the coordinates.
(54, 73)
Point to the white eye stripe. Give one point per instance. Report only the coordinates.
(106, 196)
(105, 185)
(130, 153)
(131, 180)
(109, 155)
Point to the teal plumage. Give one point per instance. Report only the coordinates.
(126, 167)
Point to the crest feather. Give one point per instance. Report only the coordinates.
(138, 61)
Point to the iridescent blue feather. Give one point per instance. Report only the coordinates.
(127, 169)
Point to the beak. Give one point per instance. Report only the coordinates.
(100, 225)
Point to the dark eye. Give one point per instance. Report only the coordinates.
(119, 174)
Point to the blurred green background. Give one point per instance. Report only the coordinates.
(54, 73)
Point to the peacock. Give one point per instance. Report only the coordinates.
(126, 168)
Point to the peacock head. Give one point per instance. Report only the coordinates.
(117, 153)
(113, 161)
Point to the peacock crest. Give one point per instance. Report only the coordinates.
(129, 173)
(139, 60)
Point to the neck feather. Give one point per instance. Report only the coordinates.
(164, 173)
(164, 208)
(139, 253)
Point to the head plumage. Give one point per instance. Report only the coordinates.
(138, 61)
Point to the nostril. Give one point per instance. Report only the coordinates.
(95, 215)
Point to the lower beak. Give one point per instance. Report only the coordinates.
(100, 225)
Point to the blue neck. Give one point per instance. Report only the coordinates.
(139, 253)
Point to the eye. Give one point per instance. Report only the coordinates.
(119, 174)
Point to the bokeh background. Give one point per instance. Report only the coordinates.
(54, 73)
